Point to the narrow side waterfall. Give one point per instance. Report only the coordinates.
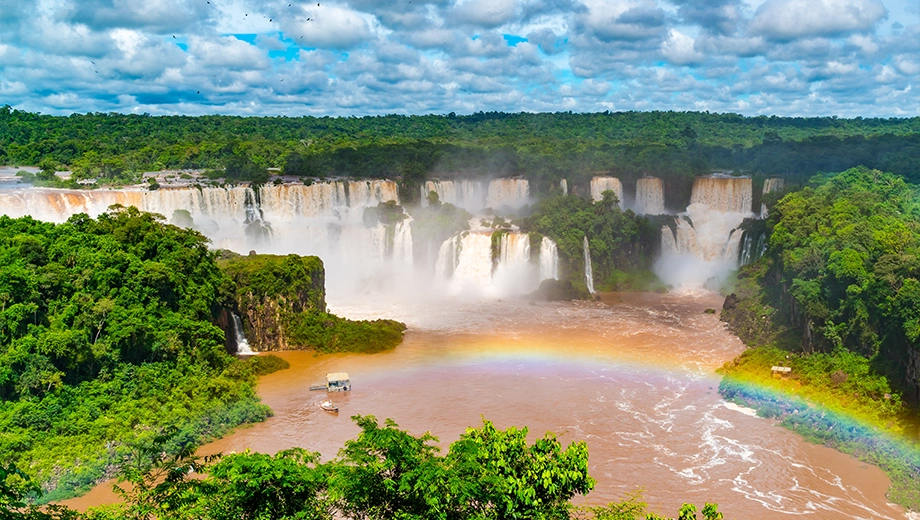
(601, 184)
(401, 250)
(448, 257)
(769, 186)
(514, 250)
(508, 193)
(752, 250)
(564, 186)
(589, 273)
(707, 242)
(650, 196)
(242, 345)
(549, 260)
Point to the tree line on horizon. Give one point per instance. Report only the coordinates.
(543, 147)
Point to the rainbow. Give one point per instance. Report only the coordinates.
(896, 455)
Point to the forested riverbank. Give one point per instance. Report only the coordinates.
(836, 297)
(114, 331)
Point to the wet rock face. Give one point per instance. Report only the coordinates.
(269, 290)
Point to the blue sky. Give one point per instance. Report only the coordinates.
(358, 57)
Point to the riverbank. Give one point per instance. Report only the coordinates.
(837, 399)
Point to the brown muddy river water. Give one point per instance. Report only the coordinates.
(632, 375)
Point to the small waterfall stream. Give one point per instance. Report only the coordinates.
(242, 344)
(589, 273)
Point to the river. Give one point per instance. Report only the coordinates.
(633, 375)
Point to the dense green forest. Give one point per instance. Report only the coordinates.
(383, 474)
(543, 147)
(836, 296)
(106, 336)
(112, 330)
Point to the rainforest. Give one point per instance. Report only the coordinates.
(693, 307)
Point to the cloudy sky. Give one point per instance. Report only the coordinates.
(358, 57)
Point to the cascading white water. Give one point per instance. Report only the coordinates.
(466, 263)
(769, 186)
(474, 195)
(242, 345)
(649, 196)
(471, 257)
(601, 184)
(402, 251)
(751, 251)
(508, 193)
(468, 194)
(564, 186)
(723, 194)
(705, 246)
(589, 273)
(549, 260)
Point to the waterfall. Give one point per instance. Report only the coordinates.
(468, 259)
(242, 345)
(474, 195)
(724, 194)
(589, 273)
(601, 184)
(467, 265)
(514, 249)
(650, 196)
(707, 242)
(467, 194)
(448, 257)
(549, 260)
(325, 219)
(746, 249)
(402, 243)
(751, 251)
(511, 193)
(770, 185)
(564, 186)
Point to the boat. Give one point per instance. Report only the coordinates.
(329, 406)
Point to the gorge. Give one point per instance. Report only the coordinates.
(632, 373)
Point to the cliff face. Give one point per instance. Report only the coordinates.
(271, 291)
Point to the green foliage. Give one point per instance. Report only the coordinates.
(385, 473)
(841, 271)
(297, 280)
(544, 147)
(265, 364)
(282, 299)
(487, 474)
(844, 250)
(387, 213)
(622, 243)
(835, 298)
(329, 333)
(106, 338)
